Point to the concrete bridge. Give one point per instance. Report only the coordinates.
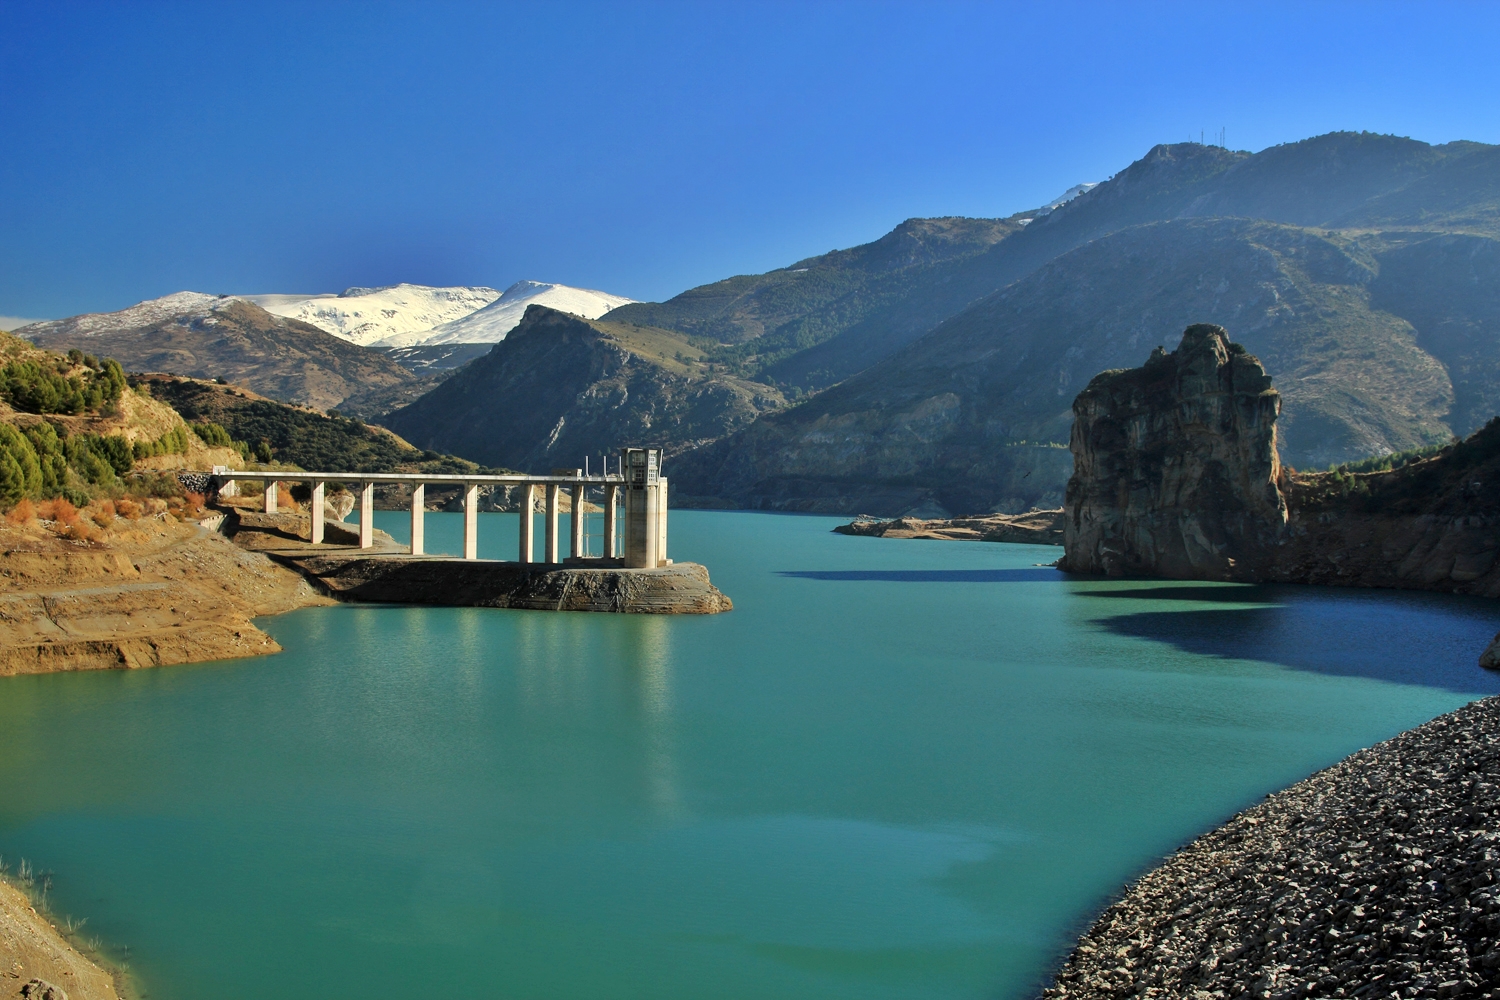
(637, 486)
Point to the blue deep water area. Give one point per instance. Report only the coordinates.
(898, 769)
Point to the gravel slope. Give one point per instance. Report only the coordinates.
(1375, 878)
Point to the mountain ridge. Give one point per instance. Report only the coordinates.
(212, 336)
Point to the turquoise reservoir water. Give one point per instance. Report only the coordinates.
(897, 769)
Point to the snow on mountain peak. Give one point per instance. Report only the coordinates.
(490, 324)
(391, 316)
(367, 315)
(174, 306)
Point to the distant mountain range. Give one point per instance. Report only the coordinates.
(934, 368)
(312, 349)
(942, 359)
(213, 336)
(490, 324)
(418, 315)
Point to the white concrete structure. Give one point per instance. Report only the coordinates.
(645, 506)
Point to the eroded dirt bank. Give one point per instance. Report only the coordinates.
(34, 957)
(1379, 877)
(133, 591)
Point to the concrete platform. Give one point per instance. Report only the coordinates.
(387, 573)
(682, 588)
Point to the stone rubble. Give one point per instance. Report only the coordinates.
(1379, 877)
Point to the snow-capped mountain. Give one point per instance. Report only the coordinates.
(176, 305)
(367, 315)
(490, 324)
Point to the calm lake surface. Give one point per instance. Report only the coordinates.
(898, 769)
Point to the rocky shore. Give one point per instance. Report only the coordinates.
(130, 585)
(1379, 877)
(1037, 527)
(38, 964)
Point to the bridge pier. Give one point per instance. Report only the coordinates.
(528, 523)
(271, 496)
(550, 542)
(575, 546)
(319, 490)
(366, 515)
(611, 496)
(471, 520)
(418, 509)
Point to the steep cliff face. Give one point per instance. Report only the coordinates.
(1176, 475)
(1175, 466)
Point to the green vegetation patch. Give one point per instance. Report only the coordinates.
(41, 464)
(79, 384)
(267, 431)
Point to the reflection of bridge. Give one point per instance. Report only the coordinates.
(644, 503)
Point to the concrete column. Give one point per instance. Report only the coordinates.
(653, 526)
(661, 521)
(418, 509)
(527, 550)
(471, 521)
(551, 523)
(641, 526)
(318, 491)
(270, 496)
(366, 515)
(611, 494)
(575, 549)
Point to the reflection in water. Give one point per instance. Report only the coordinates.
(622, 667)
(653, 674)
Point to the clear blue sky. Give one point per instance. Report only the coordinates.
(636, 148)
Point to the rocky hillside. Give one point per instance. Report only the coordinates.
(295, 435)
(946, 414)
(71, 427)
(1360, 269)
(207, 336)
(1354, 181)
(561, 387)
(756, 323)
(1176, 476)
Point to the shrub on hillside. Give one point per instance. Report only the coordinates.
(215, 436)
(34, 387)
(173, 442)
(42, 464)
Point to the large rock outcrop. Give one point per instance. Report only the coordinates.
(1176, 475)
(1175, 466)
